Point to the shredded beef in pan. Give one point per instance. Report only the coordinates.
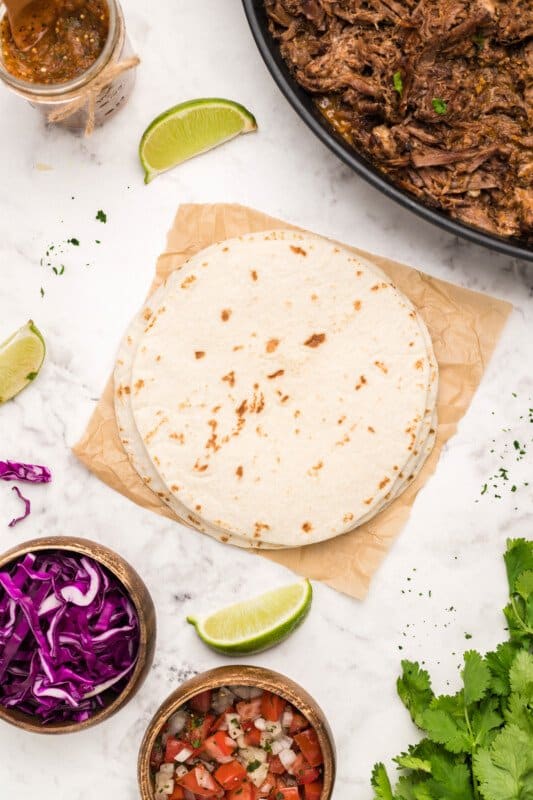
(437, 93)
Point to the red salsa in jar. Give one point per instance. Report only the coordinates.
(237, 743)
(75, 34)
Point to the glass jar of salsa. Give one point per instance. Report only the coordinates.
(80, 72)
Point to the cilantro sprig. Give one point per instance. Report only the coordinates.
(478, 743)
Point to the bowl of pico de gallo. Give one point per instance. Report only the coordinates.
(238, 733)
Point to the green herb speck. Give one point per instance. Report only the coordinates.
(439, 106)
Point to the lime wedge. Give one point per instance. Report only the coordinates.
(257, 624)
(21, 358)
(190, 129)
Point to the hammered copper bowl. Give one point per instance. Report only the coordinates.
(142, 602)
(239, 675)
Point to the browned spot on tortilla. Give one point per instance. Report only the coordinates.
(178, 437)
(158, 358)
(419, 364)
(297, 431)
(212, 441)
(192, 519)
(126, 389)
(239, 472)
(238, 347)
(358, 272)
(380, 365)
(157, 461)
(371, 429)
(411, 344)
(271, 345)
(138, 385)
(253, 273)
(147, 314)
(160, 494)
(314, 297)
(340, 420)
(410, 478)
(298, 250)
(129, 340)
(315, 340)
(258, 527)
(188, 281)
(368, 501)
(241, 410)
(357, 305)
(199, 354)
(229, 378)
(316, 468)
(224, 538)
(148, 480)
(149, 436)
(276, 374)
(297, 413)
(384, 482)
(412, 314)
(225, 249)
(432, 430)
(216, 409)
(396, 468)
(200, 467)
(307, 527)
(284, 398)
(225, 314)
(347, 518)
(362, 382)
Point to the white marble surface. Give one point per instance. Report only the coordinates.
(347, 653)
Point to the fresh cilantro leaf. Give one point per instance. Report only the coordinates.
(524, 584)
(398, 82)
(381, 783)
(505, 771)
(521, 674)
(499, 663)
(253, 765)
(485, 720)
(449, 782)
(407, 761)
(440, 106)
(101, 216)
(518, 559)
(443, 728)
(414, 688)
(476, 677)
(519, 712)
(412, 788)
(31, 376)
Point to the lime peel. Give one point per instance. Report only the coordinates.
(189, 129)
(257, 624)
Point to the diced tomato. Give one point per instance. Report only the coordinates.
(253, 737)
(174, 747)
(246, 791)
(272, 706)
(219, 746)
(177, 794)
(276, 767)
(200, 782)
(302, 771)
(218, 723)
(310, 747)
(156, 756)
(268, 786)
(313, 791)
(198, 729)
(249, 710)
(299, 723)
(201, 703)
(287, 793)
(231, 775)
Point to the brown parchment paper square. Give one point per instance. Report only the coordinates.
(464, 326)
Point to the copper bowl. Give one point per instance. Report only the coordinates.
(142, 602)
(239, 675)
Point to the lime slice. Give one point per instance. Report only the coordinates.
(190, 129)
(21, 358)
(256, 624)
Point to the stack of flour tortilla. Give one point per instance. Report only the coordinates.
(277, 391)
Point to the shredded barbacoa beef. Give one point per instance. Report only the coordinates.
(437, 93)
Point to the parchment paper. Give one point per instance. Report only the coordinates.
(464, 326)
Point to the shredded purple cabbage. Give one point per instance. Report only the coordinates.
(27, 507)
(69, 636)
(31, 473)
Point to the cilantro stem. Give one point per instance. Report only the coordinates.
(474, 747)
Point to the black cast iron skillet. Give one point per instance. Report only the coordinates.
(303, 103)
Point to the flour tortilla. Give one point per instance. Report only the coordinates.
(312, 465)
(139, 458)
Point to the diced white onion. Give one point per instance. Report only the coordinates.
(249, 754)
(184, 754)
(241, 741)
(205, 781)
(260, 724)
(274, 729)
(164, 785)
(258, 776)
(287, 758)
(283, 743)
(181, 771)
(246, 692)
(177, 722)
(166, 769)
(222, 700)
(287, 718)
(233, 722)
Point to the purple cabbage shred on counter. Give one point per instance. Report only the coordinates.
(31, 473)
